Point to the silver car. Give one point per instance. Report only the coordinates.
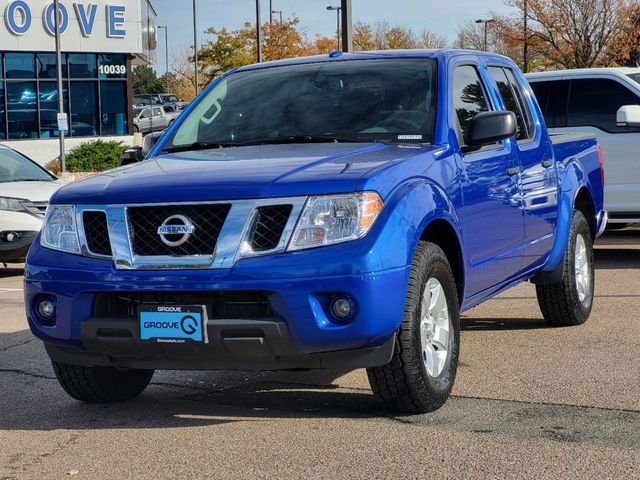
(152, 119)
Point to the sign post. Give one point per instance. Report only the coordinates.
(63, 122)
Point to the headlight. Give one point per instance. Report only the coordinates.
(11, 204)
(59, 231)
(331, 219)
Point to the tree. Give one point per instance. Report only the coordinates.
(625, 48)
(382, 36)
(575, 33)
(145, 81)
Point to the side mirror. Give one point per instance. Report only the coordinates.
(491, 127)
(150, 142)
(131, 155)
(629, 116)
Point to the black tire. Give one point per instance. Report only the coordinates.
(101, 384)
(404, 384)
(561, 303)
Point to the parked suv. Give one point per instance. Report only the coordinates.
(169, 100)
(152, 119)
(604, 101)
(25, 188)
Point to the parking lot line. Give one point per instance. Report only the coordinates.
(10, 290)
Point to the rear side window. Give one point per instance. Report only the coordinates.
(596, 101)
(514, 101)
(469, 96)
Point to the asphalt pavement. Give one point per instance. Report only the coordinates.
(529, 402)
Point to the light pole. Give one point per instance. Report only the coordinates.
(166, 56)
(195, 46)
(486, 22)
(258, 32)
(337, 10)
(525, 48)
(271, 12)
(277, 11)
(56, 9)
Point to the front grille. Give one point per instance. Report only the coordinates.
(96, 231)
(219, 305)
(39, 209)
(145, 221)
(269, 227)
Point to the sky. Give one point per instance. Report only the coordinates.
(441, 16)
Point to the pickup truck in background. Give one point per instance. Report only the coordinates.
(334, 211)
(605, 102)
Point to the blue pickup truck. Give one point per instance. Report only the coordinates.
(326, 212)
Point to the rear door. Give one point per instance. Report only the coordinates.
(538, 175)
(491, 215)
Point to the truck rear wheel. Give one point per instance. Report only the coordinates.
(421, 373)
(101, 384)
(569, 302)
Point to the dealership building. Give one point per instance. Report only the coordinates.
(101, 40)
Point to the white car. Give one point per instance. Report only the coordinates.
(25, 189)
(604, 101)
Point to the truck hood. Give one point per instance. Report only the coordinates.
(261, 171)
(32, 191)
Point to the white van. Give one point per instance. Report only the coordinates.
(605, 101)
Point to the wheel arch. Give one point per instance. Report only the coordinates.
(441, 232)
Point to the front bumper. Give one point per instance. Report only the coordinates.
(16, 251)
(298, 334)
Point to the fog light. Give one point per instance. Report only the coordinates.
(11, 237)
(46, 309)
(343, 308)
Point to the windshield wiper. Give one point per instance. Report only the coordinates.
(306, 139)
(28, 180)
(198, 146)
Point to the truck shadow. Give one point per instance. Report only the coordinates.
(11, 271)
(497, 324)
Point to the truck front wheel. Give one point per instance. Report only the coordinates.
(569, 302)
(101, 384)
(421, 373)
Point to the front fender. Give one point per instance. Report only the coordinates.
(573, 179)
(421, 202)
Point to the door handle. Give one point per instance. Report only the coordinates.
(513, 171)
(547, 163)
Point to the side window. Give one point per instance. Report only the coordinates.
(512, 104)
(469, 96)
(146, 113)
(525, 108)
(595, 102)
(157, 112)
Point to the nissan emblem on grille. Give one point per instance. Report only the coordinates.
(176, 230)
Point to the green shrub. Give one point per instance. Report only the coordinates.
(95, 156)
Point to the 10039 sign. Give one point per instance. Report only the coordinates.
(112, 69)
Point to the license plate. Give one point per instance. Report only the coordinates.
(173, 324)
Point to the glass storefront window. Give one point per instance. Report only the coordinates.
(84, 109)
(3, 134)
(95, 95)
(49, 108)
(83, 65)
(113, 97)
(22, 113)
(47, 66)
(112, 66)
(20, 65)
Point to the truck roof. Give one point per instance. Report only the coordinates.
(408, 53)
(584, 73)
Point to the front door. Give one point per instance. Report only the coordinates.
(491, 217)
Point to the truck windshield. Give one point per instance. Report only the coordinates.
(391, 100)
